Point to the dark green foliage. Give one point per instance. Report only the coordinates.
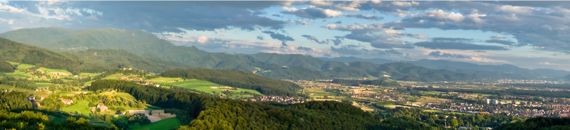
(225, 114)
(6, 67)
(539, 123)
(413, 119)
(138, 118)
(39, 120)
(213, 113)
(14, 100)
(23, 120)
(165, 98)
(238, 79)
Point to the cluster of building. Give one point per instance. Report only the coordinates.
(278, 99)
(152, 115)
(512, 81)
(506, 107)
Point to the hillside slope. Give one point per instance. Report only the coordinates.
(16, 52)
(238, 79)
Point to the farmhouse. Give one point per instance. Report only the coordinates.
(152, 115)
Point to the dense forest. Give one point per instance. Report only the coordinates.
(214, 113)
(237, 79)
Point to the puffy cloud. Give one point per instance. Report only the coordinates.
(376, 34)
(544, 26)
(456, 43)
(4, 7)
(444, 15)
(352, 6)
(314, 12)
(405, 3)
(515, 9)
(321, 2)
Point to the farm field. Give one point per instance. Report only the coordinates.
(216, 89)
(165, 124)
(81, 107)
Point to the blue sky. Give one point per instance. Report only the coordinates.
(526, 34)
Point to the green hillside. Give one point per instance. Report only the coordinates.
(211, 113)
(237, 79)
(16, 52)
(96, 60)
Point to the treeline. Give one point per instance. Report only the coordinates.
(14, 100)
(237, 79)
(557, 94)
(353, 82)
(225, 114)
(166, 98)
(214, 113)
(539, 123)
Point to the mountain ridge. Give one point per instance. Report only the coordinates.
(277, 66)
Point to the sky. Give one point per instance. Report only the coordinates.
(526, 34)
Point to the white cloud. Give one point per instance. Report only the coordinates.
(515, 9)
(4, 7)
(476, 17)
(444, 15)
(332, 13)
(289, 9)
(321, 2)
(58, 13)
(405, 3)
(202, 39)
(376, 34)
(353, 6)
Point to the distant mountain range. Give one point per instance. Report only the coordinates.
(100, 49)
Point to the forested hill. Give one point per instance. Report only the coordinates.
(213, 113)
(100, 60)
(156, 50)
(16, 52)
(237, 79)
(90, 60)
